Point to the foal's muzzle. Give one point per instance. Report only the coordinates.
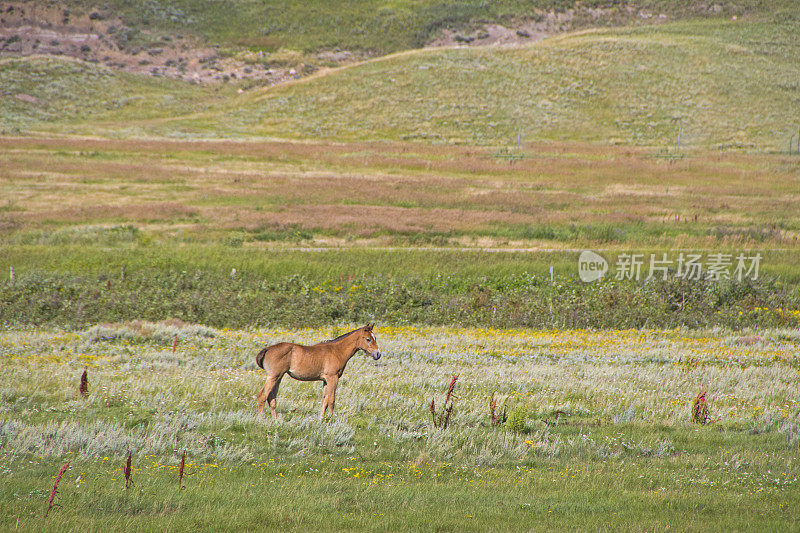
(375, 355)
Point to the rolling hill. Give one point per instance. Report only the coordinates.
(726, 84)
(722, 84)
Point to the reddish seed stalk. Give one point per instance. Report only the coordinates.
(448, 402)
(174, 343)
(55, 488)
(497, 418)
(83, 388)
(700, 409)
(180, 472)
(451, 387)
(128, 479)
(444, 417)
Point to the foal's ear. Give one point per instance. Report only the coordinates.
(369, 327)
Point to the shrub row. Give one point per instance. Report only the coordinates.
(73, 301)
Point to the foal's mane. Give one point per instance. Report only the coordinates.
(340, 337)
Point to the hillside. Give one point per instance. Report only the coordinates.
(266, 43)
(722, 84)
(381, 27)
(727, 84)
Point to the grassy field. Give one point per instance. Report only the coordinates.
(253, 194)
(727, 85)
(63, 90)
(160, 232)
(588, 408)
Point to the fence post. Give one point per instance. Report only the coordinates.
(11, 275)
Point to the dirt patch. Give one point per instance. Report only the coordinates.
(27, 29)
(542, 24)
(626, 189)
(26, 98)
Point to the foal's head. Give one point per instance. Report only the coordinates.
(368, 342)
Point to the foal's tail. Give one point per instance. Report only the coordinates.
(261, 355)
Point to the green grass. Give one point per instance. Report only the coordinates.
(622, 455)
(447, 498)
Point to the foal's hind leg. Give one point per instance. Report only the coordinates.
(272, 398)
(269, 394)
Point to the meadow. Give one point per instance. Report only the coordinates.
(156, 233)
(584, 408)
(723, 84)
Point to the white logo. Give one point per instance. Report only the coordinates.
(591, 266)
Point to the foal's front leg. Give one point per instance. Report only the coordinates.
(328, 395)
(324, 395)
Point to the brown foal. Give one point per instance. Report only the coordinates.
(321, 362)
